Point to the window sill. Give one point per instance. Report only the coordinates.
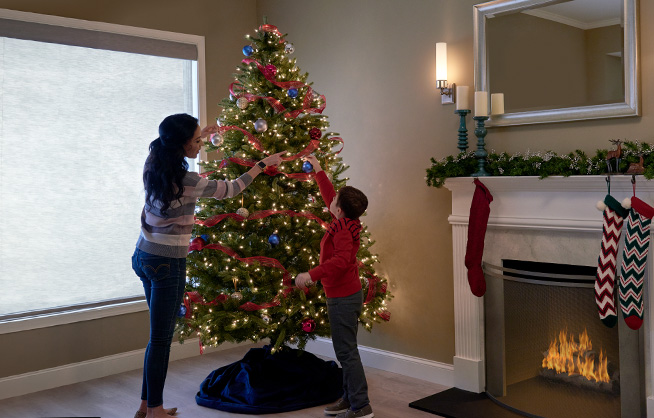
(75, 314)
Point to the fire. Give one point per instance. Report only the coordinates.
(565, 355)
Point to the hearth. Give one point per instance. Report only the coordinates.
(547, 352)
(551, 220)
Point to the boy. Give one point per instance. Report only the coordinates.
(339, 274)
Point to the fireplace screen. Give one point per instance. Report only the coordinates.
(547, 352)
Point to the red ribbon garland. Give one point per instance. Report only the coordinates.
(198, 244)
(214, 220)
(272, 29)
(253, 140)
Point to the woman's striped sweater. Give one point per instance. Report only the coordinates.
(169, 235)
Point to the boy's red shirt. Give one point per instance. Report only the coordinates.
(338, 269)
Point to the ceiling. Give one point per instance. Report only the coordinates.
(588, 12)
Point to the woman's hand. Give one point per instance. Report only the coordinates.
(274, 159)
(314, 162)
(208, 130)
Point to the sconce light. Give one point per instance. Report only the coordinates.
(447, 91)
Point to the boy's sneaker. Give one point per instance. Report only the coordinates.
(365, 412)
(340, 406)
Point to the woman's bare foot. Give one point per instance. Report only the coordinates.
(157, 412)
(144, 409)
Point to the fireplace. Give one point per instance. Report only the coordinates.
(547, 352)
(548, 221)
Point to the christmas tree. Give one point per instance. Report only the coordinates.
(247, 250)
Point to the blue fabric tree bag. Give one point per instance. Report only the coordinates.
(265, 383)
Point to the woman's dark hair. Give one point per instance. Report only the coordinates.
(166, 167)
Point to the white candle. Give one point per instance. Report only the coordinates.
(497, 104)
(481, 103)
(462, 96)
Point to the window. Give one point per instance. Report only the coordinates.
(79, 104)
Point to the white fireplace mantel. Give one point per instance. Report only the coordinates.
(549, 208)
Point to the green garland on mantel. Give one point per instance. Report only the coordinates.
(546, 164)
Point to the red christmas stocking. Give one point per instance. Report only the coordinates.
(477, 223)
(614, 215)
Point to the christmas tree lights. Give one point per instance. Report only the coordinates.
(247, 250)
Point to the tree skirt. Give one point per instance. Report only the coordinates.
(263, 383)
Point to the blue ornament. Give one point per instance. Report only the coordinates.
(182, 311)
(205, 237)
(292, 93)
(248, 50)
(307, 167)
(274, 240)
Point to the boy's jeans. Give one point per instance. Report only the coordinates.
(163, 281)
(344, 322)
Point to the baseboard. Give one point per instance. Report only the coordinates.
(419, 368)
(93, 369)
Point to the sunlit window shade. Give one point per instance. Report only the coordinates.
(75, 124)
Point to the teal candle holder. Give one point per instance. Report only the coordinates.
(463, 130)
(481, 154)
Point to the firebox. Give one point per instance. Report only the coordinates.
(547, 352)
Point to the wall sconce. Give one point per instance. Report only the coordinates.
(447, 91)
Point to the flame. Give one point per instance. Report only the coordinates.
(565, 355)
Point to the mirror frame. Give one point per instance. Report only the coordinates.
(631, 105)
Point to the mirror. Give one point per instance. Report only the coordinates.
(558, 60)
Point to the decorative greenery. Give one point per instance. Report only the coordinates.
(576, 163)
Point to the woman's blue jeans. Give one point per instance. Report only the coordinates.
(344, 323)
(163, 281)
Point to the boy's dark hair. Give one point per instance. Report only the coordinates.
(352, 201)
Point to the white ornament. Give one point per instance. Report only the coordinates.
(237, 296)
(243, 212)
(217, 139)
(600, 205)
(626, 203)
(261, 125)
(289, 48)
(242, 103)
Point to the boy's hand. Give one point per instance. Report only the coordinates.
(303, 281)
(314, 162)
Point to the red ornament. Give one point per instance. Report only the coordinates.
(270, 71)
(308, 325)
(315, 133)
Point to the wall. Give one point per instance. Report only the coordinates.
(223, 23)
(374, 61)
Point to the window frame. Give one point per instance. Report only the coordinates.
(23, 321)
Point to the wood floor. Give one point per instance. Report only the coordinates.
(117, 396)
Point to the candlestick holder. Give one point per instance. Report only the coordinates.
(463, 130)
(481, 154)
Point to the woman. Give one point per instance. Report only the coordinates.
(171, 192)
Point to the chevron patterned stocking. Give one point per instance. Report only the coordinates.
(614, 215)
(634, 259)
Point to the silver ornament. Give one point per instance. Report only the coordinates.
(242, 103)
(243, 212)
(266, 319)
(289, 48)
(217, 139)
(261, 125)
(237, 296)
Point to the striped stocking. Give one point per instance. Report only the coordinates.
(634, 259)
(614, 215)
